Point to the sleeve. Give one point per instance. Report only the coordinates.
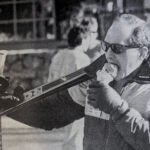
(79, 92)
(133, 127)
(55, 111)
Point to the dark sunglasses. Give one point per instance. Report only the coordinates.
(116, 48)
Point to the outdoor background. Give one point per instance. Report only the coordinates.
(33, 31)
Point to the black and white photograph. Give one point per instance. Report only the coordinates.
(74, 74)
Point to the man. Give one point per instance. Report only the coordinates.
(91, 24)
(124, 104)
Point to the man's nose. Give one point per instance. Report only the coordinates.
(109, 54)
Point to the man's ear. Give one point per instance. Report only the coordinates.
(144, 52)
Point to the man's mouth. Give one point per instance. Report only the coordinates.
(115, 64)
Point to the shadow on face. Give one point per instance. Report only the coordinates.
(131, 58)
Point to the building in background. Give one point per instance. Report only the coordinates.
(36, 25)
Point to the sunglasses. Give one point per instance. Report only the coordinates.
(116, 48)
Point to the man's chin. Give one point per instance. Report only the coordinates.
(119, 77)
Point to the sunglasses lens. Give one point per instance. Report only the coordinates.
(118, 49)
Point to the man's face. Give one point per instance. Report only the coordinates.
(127, 61)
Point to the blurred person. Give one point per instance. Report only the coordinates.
(77, 41)
(65, 62)
(75, 18)
(90, 23)
(84, 54)
(121, 107)
(81, 55)
(84, 48)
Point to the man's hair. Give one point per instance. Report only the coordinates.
(141, 36)
(141, 31)
(75, 36)
(129, 19)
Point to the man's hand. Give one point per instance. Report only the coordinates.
(8, 100)
(104, 97)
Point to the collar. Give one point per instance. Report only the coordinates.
(141, 76)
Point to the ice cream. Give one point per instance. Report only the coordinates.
(107, 74)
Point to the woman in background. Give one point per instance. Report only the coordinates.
(65, 62)
(84, 48)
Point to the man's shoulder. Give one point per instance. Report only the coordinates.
(135, 92)
(139, 88)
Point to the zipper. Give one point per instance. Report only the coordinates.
(124, 88)
(107, 137)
